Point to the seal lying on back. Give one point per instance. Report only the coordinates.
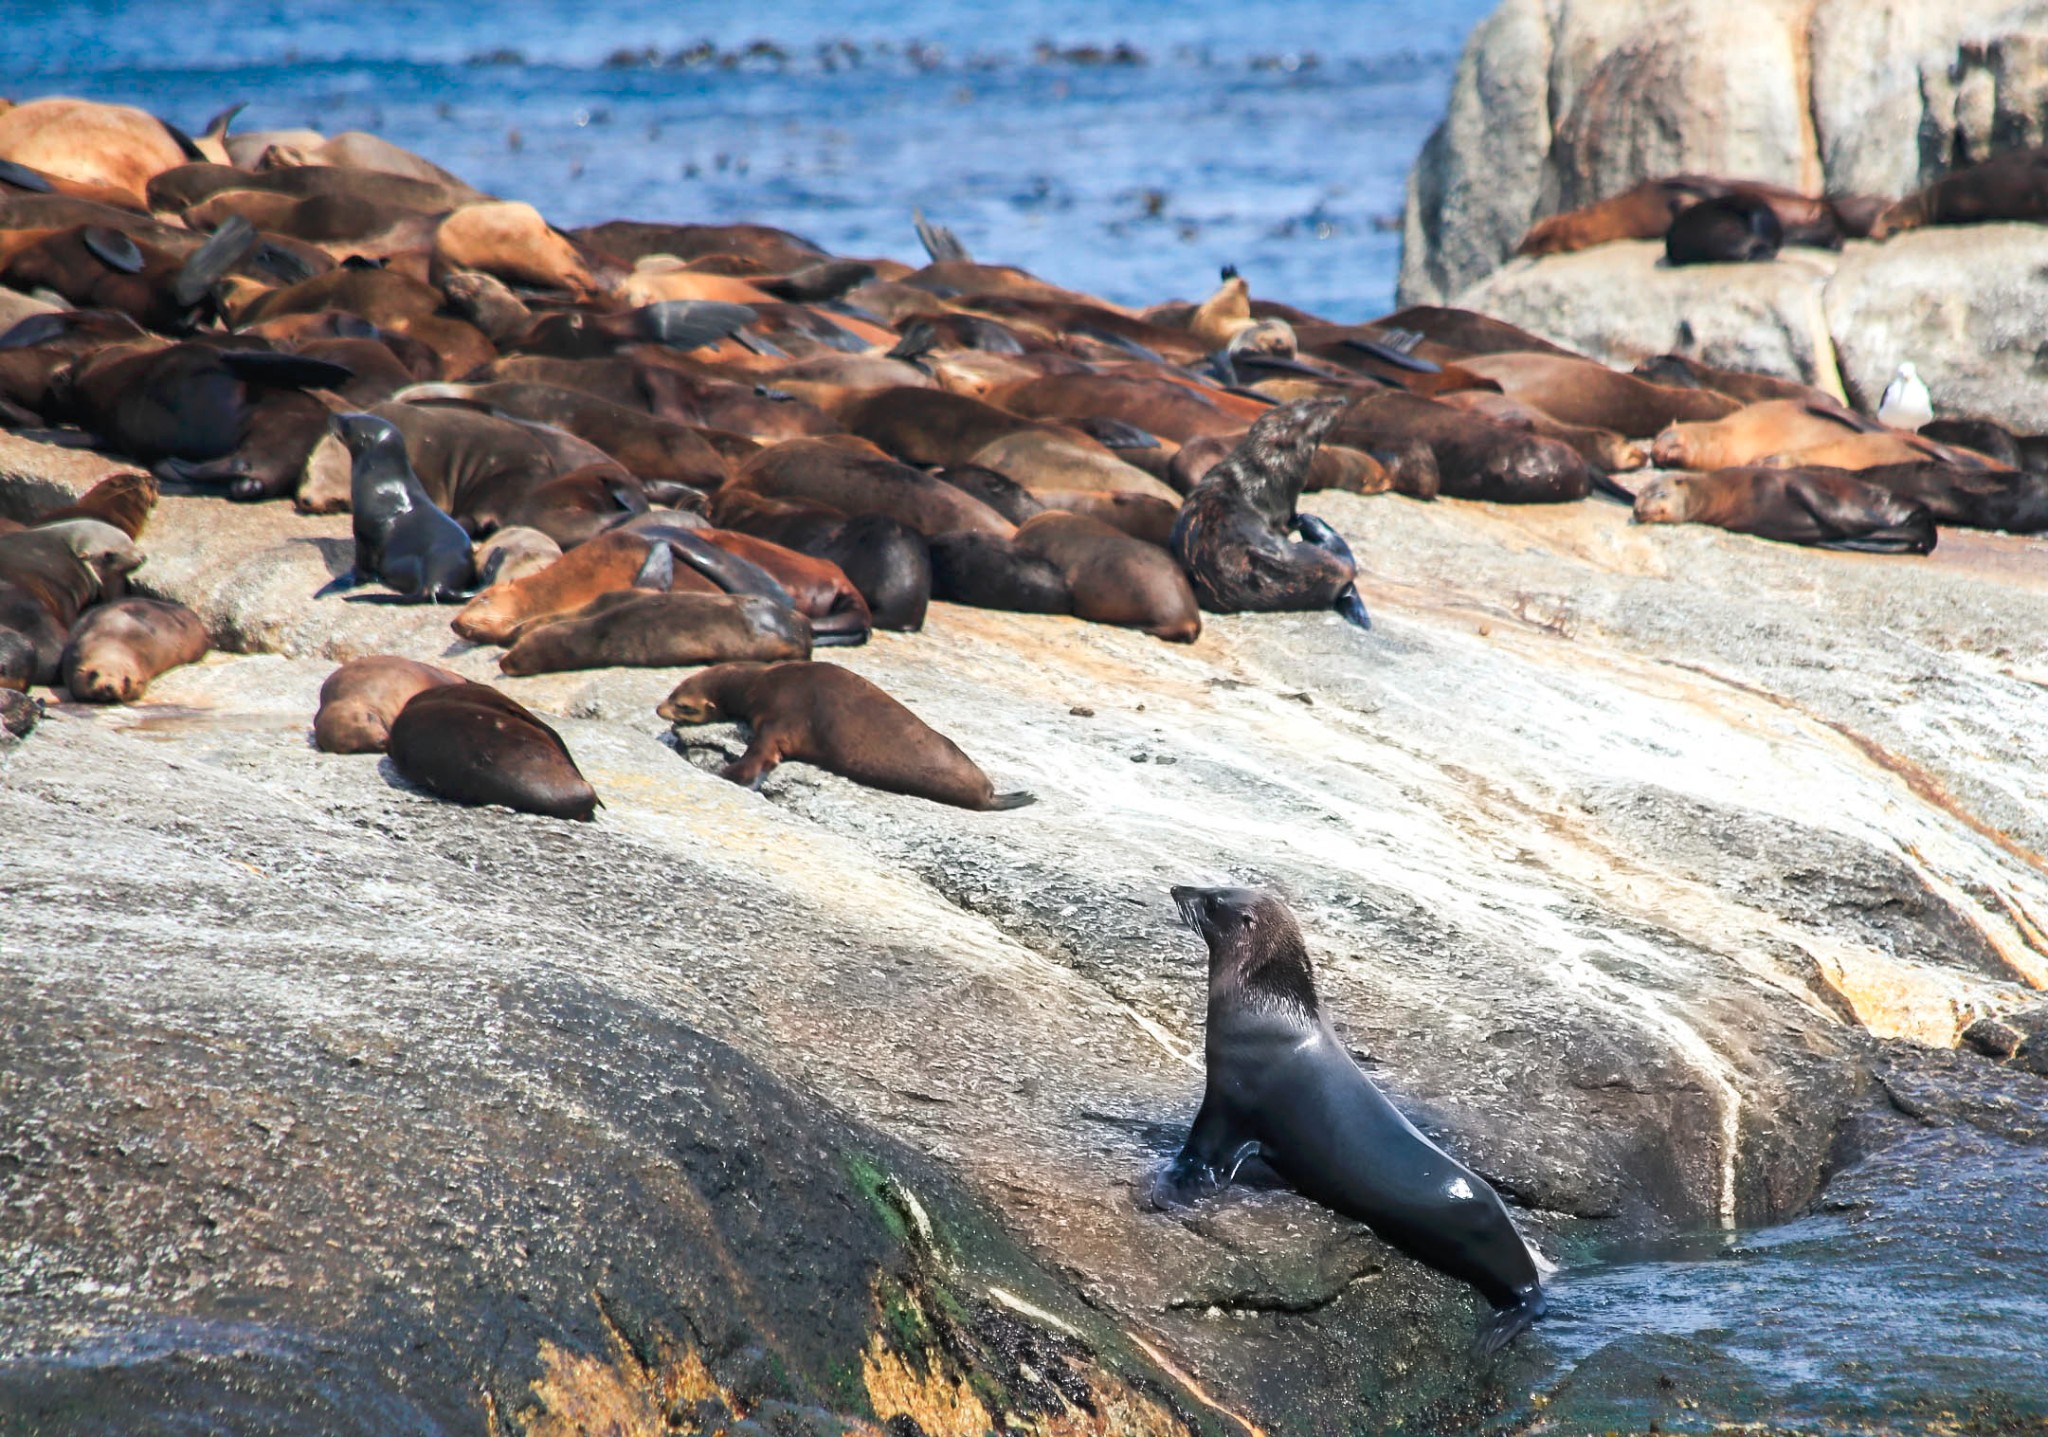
(469, 743)
(402, 540)
(1231, 535)
(1828, 508)
(834, 718)
(1281, 1085)
(636, 628)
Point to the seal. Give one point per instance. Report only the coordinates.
(1231, 535)
(402, 540)
(50, 573)
(829, 716)
(1727, 229)
(2011, 186)
(118, 648)
(470, 743)
(854, 477)
(512, 553)
(1588, 393)
(1142, 516)
(887, 561)
(640, 629)
(17, 657)
(1114, 578)
(987, 572)
(1605, 450)
(610, 562)
(362, 697)
(2012, 501)
(1679, 372)
(115, 146)
(1827, 508)
(648, 446)
(1774, 426)
(1468, 457)
(122, 500)
(1281, 1085)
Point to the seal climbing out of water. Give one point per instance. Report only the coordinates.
(1231, 535)
(1281, 1085)
(470, 743)
(402, 540)
(832, 717)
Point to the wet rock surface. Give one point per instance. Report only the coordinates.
(1629, 858)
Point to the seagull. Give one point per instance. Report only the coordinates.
(1906, 403)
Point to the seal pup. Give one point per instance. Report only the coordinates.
(1281, 1085)
(1231, 534)
(470, 743)
(829, 716)
(402, 540)
(118, 648)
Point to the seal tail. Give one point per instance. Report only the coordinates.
(1613, 488)
(1509, 1323)
(1022, 798)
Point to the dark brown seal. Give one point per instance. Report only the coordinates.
(2011, 186)
(1828, 508)
(832, 717)
(855, 478)
(988, 572)
(470, 743)
(362, 697)
(1282, 1085)
(1582, 391)
(1727, 229)
(640, 629)
(1473, 458)
(1232, 533)
(1115, 579)
(117, 648)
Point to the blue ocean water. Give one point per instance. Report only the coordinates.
(1272, 134)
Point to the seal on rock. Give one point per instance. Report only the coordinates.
(470, 743)
(1828, 508)
(1727, 229)
(362, 697)
(117, 648)
(1231, 535)
(987, 572)
(1114, 578)
(1281, 1085)
(402, 540)
(832, 717)
(641, 629)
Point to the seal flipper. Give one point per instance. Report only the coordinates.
(24, 178)
(211, 262)
(1352, 608)
(1210, 1158)
(112, 248)
(1508, 1323)
(1022, 798)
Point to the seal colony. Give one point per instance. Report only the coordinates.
(716, 447)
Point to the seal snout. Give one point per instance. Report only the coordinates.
(1193, 904)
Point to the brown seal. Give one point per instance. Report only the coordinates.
(115, 146)
(887, 561)
(1469, 457)
(832, 717)
(1602, 448)
(1679, 372)
(1584, 392)
(2011, 186)
(607, 564)
(122, 500)
(1775, 426)
(855, 478)
(49, 574)
(117, 648)
(1643, 212)
(362, 697)
(510, 240)
(2010, 500)
(1115, 579)
(642, 629)
(470, 743)
(932, 426)
(1142, 516)
(987, 572)
(1857, 451)
(649, 446)
(1823, 507)
(513, 552)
